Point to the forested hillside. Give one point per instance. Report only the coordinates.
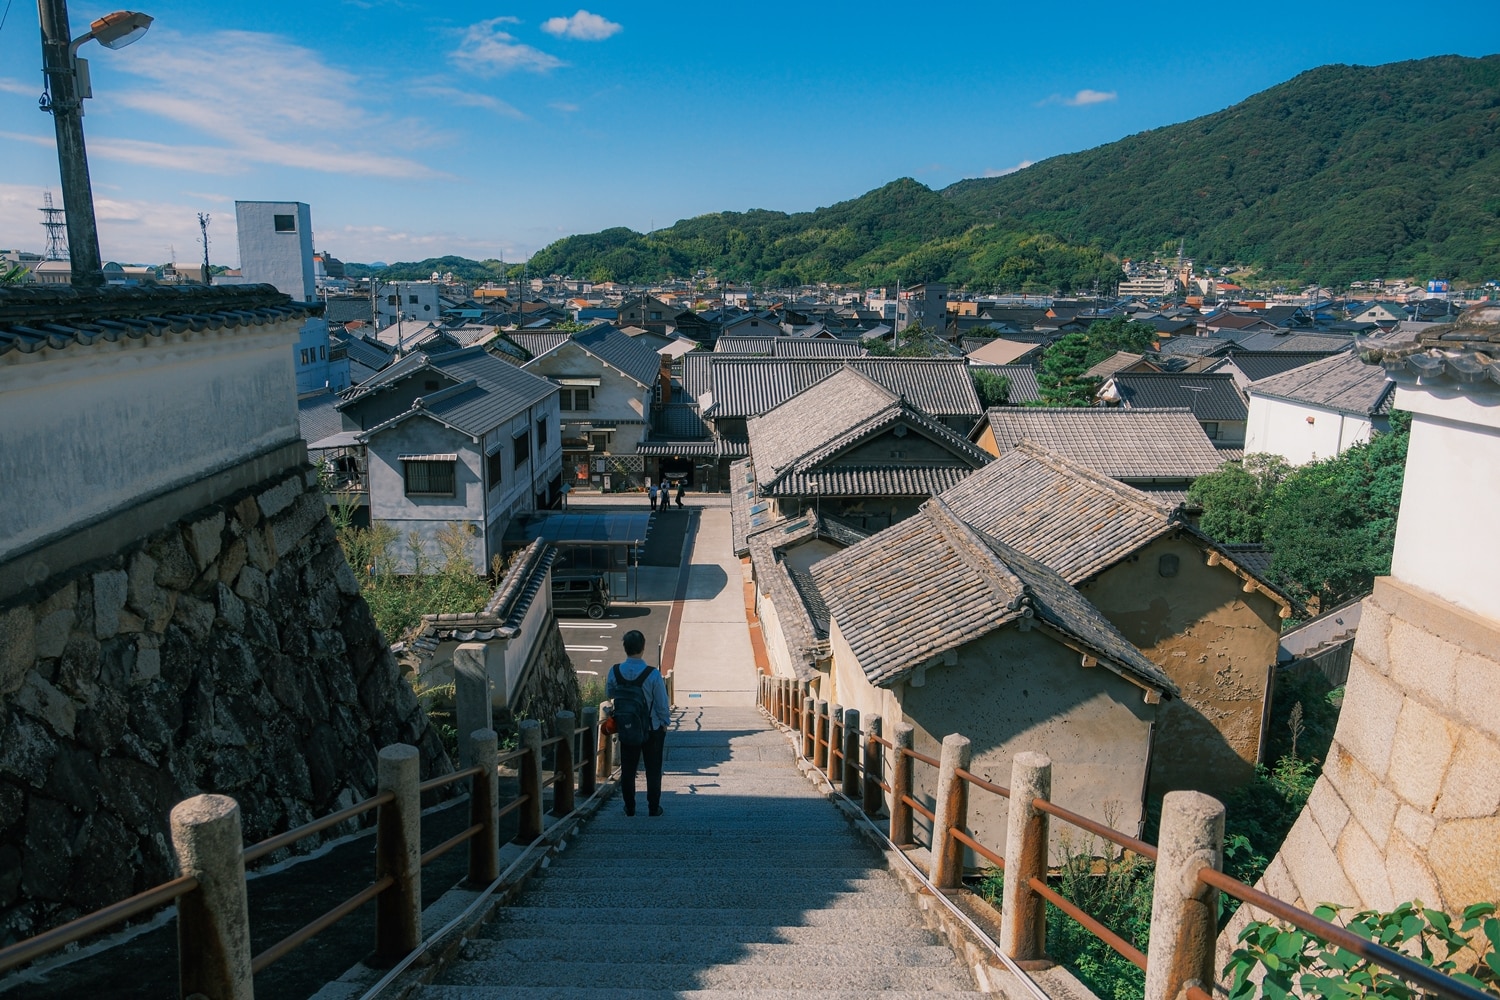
(1342, 172)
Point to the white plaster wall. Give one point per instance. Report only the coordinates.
(616, 398)
(1444, 541)
(281, 259)
(91, 430)
(1279, 427)
(425, 516)
(424, 309)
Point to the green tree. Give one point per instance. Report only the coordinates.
(992, 389)
(1061, 372)
(1234, 498)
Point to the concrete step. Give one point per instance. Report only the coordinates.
(582, 936)
(756, 916)
(624, 887)
(710, 897)
(617, 993)
(701, 869)
(694, 976)
(630, 946)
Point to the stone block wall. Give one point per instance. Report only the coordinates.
(1408, 805)
(551, 684)
(229, 652)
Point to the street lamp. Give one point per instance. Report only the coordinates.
(67, 86)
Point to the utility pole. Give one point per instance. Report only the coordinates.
(66, 106)
(203, 225)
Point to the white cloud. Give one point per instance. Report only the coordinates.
(10, 86)
(467, 98)
(130, 230)
(1081, 99)
(367, 243)
(274, 102)
(583, 26)
(992, 172)
(489, 51)
(566, 107)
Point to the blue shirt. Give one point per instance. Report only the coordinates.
(655, 690)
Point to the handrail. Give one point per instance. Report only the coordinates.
(259, 850)
(506, 758)
(449, 844)
(1402, 965)
(448, 779)
(1126, 950)
(25, 951)
(552, 741)
(918, 807)
(984, 783)
(963, 837)
(1115, 837)
(516, 803)
(300, 937)
(914, 755)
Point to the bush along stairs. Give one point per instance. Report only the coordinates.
(750, 885)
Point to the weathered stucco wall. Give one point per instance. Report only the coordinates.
(229, 652)
(1012, 691)
(1215, 641)
(1408, 805)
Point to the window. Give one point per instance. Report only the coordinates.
(393, 300)
(573, 399)
(600, 442)
(1211, 428)
(522, 443)
(656, 314)
(304, 355)
(429, 477)
(411, 300)
(322, 352)
(284, 223)
(493, 470)
(541, 433)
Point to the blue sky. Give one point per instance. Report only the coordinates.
(490, 130)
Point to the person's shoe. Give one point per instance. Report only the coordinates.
(655, 811)
(630, 810)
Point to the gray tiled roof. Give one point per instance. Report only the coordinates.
(1024, 387)
(505, 611)
(744, 387)
(1209, 395)
(318, 415)
(537, 343)
(1257, 365)
(1462, 354)
(800, 607)
(1196, 346)
(1113, 363)
(807, 421)
(681, 422)
(1125, 444)
(869, 481)
(38, 317)
(1282, 341)
(790, 347)
(955, 585)
(1342, 382)
(747, 510)
(489, 391)
(622, 352)
(1075, 520)
(361, 349)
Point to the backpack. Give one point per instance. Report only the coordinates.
(632, 713)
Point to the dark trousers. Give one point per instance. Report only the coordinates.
(630, 759)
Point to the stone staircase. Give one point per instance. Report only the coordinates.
(750, 885)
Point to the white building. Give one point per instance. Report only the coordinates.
(410, 303)
(276, 248)
(1318, 411)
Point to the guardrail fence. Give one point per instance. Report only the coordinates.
(1184, 910)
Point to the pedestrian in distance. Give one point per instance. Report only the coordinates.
(652, 492)
(680, 489)
(641, 714)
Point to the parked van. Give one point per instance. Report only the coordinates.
(577, 592)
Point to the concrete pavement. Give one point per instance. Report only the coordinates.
(713, 663)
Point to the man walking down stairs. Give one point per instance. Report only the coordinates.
(750, 885)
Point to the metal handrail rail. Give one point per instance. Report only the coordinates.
(430, 856)
(516, 803)
(1115, 837)
(142, 902)
(1125, 949)
(259, 850)
(962, 836)
(1404, 966)
(300, 937)
(448, 779)
(914, 755)
(918, 807)
(984, 783)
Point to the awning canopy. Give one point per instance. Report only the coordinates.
(578, 381)
(428, 458)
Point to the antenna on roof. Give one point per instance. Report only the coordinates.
(57, 229)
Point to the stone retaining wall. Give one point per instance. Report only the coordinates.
(230, 652)
(1408, 805)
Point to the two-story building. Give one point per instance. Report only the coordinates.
(454, 441)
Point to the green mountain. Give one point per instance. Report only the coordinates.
(463, 268)
(1343, 172)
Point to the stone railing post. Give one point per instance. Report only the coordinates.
(835, 743)
(562, 766)
(398, 853)
(213, 921)
(530, 826)
(951, 812)
(471, 695)
(606, 763)
(809, 726)
(760, 693)
(484, 806)
(874, 766)
(852, 737)
(1183, 909)
(1023, 913)
(588, 739)
(901, 784)
(820, 736)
